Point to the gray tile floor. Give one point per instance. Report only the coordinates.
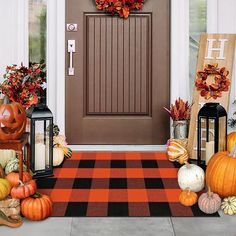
(223, 226)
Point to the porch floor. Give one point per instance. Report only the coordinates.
(224, 225)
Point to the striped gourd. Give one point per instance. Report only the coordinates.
(176, 152)
(13, 166)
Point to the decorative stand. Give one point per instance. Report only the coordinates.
(18, 145)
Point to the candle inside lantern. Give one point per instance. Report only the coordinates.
(40, 156)
(210, 150)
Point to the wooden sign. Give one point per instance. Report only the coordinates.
(214, 49)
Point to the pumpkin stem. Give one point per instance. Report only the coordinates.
(20, 183)
(233, 151)
(187, 164)
(36, 195)
(188, 190)
(210, 193)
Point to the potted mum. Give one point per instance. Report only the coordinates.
(25, 85)
(180, 113)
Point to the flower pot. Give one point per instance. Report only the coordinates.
(180, 129)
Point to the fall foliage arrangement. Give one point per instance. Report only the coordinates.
(24, 84)
(221, 81)
(120, 7)
(180, 110)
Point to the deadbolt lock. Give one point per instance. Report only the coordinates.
(71, 27)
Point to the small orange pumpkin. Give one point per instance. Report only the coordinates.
(187, 197)
(12, 121)
(13, 178)
(231, 141)
(24, 190)
(36, 207)
(220, 173)
(176, 152)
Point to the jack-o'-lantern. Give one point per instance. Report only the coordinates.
(12, 121)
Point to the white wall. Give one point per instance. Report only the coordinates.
(13, 41)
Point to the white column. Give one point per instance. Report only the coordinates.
(56, 60)
(180, 49)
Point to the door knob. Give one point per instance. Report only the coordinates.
(71, 50)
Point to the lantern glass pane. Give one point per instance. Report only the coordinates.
(222, 133)
(207, 138)
(41, 145)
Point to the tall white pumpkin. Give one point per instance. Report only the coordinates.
(191, 177)
(58, 156)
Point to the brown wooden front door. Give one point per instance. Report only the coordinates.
(121, 81)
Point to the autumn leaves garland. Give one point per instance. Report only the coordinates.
(120, 7)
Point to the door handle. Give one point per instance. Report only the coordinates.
(71, 50)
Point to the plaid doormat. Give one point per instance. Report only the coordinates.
(116, 184)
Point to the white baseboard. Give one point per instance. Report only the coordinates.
(118, 148)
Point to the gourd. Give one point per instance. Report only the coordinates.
(36, 207)
(191, 177)
(187, 197)
(13, 223)
(229, 205)
(24, 190)
(58, 156)
(5, 188)
(176, 152)
(13, 178)
(6, 156)
(209, 202)
(12, 121)
(220, 173)
(231, 141)
(67, 152)
(13, 166)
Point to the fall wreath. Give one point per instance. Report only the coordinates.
(120, 7)
(221, 81)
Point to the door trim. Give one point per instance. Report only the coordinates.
(118, 148)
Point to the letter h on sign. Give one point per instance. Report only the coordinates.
(220, 49)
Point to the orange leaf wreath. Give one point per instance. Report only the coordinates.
(120, 7)
(221, 81)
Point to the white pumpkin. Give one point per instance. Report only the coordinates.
(191, 177)
(5, 156)
(58, 156)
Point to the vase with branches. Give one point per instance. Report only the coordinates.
(180, 112)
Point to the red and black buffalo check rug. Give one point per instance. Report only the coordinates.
(116, 184)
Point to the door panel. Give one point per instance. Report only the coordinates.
(120, 86)
(121, 80)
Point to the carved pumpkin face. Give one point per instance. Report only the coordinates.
(12, 121)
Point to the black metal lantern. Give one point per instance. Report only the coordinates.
(212, 131)
(41, 140)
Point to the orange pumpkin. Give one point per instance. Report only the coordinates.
(220, 173)
(24, 190)
(176, 152)
(187, 197)
(231, 141)
(12, 121)
(36, 207)
(13, 178)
